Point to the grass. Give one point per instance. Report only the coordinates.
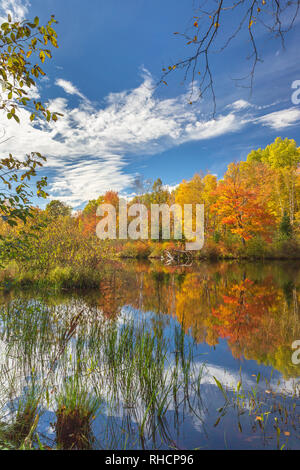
(86, 369)
(18, 432)
(86, 363)
(270, 412)
(59, 277)
(76, 408)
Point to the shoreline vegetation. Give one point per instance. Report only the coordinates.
(67, 278)
(253, 213)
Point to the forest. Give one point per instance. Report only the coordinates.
(253, 212)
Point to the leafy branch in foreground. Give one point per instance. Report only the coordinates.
(15, 205)
(24, 47)
(20, 41)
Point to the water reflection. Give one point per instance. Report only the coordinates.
(162, 348)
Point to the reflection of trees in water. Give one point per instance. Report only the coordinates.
(244, 312)
(255, 307)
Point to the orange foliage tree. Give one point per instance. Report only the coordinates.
(89, 219)
(240, 207)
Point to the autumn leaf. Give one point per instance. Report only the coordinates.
(42, 56)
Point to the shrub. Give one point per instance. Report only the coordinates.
(138, 249)
(60, 276)
(256, 247)
(159, 248)
(76, 409)
(285, 248)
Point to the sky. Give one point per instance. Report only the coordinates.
(119, 125)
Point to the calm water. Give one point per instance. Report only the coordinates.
(221, 360)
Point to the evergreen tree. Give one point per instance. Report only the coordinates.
(285, 227)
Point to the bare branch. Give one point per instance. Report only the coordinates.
(277, 17)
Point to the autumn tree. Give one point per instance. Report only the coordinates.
(240, 208)
(88, 219)
(159, 194)
(111, 197)
(91, 207)
(190, 192)
(58, 208)
(283, 157)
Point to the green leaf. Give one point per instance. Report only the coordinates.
(220, 387)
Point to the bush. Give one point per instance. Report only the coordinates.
(8, 274)
(68, 277)
(210, 250)
(285, 248)
(255, 248)
(159, 248)
(138, 249)
(60, 276)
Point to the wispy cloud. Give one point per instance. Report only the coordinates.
(89, 148)
(18, 9)
(240, 104)
(281, 119)
(69, 88)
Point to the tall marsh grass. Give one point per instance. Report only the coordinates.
(108, 384)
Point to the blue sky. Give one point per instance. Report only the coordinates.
(118, 125)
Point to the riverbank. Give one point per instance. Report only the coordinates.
(73, 275)
(253, 249)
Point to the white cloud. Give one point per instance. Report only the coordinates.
(240, 104)
(213, 128)
(89, 148)
(69, 88)
(18, 9)
(281, 119)
(32, 93)
(87, 180)
(171, 187)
